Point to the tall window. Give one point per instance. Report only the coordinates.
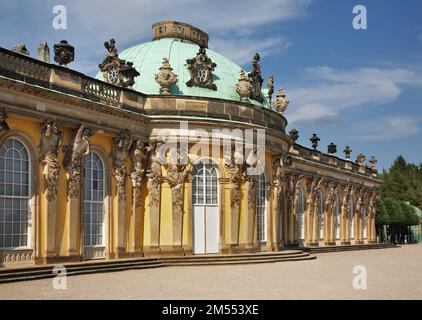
(205, 185)
(300, 214)
(351, 222)
(337, 219)
(93, 200)
(320, 216)
(14, 195)
(261, 209)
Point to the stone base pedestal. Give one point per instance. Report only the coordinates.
(122, 254)
(58, 260)
(152, 251)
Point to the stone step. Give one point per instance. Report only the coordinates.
(235, 262)
(229, 258)
(11, 274)
(46, 275)
(76, 268)
(235, 256)
(327, 249)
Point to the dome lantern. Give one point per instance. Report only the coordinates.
(179, 30)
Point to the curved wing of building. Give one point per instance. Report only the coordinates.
(171, 149)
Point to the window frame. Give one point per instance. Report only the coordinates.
(29, 239)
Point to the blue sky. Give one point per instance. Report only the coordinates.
(361, 88)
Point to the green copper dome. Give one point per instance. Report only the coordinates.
(147, 59)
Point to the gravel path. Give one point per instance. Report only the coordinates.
(391, 274)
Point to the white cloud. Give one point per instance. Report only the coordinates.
(234, 26)
(332, 90)
(390, 128)
(249, 46)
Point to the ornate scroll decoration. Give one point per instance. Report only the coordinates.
(51, 141)
(201, 68)
(154, 174)
(165, 77)
(256, 79)
(115, 70)
(73, 159)
(176, 174)
(243, 87)
(119, 151)
(140, 155)
(281, 102)
(233, 162)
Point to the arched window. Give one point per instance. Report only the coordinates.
(337, 219)
(14, 195)
(320, 208)
(300, 214)
(204, 185)
(351, 218)
(261, 208)
(93, 201)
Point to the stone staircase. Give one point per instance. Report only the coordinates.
(25, 273)
(352, 247)
(229, 259)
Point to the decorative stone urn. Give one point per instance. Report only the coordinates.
(294, 134)
(281, 102)
(165, 77)
(347, 151)
(314, 139)
(373, 162)
(129, 73)
(360, 160)
(332, 148)
(244, 87)
(64, 53)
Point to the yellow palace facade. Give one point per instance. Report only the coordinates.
(83, 170)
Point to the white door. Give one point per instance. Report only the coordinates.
(205, 209)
